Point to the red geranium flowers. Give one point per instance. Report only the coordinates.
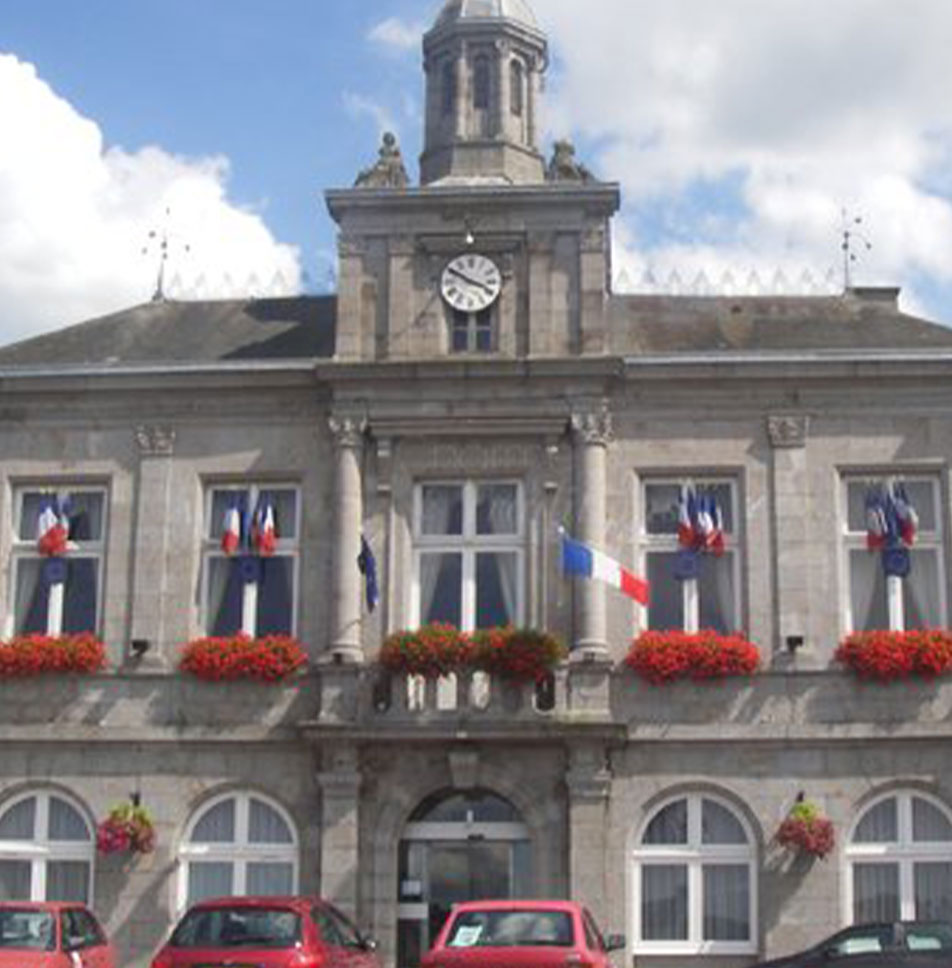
(884, 655)
(661, 657)
(806, 830)
(267, 659)
(32, 655)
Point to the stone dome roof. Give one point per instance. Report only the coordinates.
(457, 10)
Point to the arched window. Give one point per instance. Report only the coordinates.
(899, 856)
(448, 87)
(516, 95)
(47, 849)
(481, 83)
(238, 844)
(695, 880)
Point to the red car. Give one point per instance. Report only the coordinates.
(521, 934)
(52, 934)
(266, 932)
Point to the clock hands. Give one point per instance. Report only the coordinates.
(473, 282)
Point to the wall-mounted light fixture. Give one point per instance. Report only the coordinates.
(139, 647)
(793, 642)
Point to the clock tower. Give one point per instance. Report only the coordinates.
(495, 253)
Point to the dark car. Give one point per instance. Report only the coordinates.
(266, 932)
(521, 934)
(888, 944)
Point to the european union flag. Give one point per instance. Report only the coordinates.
(368, 568)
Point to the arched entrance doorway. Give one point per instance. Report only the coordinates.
(457, 846)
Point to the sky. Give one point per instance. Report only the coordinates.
(748, 136)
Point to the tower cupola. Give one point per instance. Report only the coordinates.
(484, 61)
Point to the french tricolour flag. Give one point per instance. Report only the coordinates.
(52, 529)
(579, 559)
(231, 530)
(264, 535)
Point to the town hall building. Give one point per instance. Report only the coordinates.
(474, 386)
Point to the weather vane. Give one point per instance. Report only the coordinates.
(849, 234)
(161, 241)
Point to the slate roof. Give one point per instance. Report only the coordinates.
(304, 328)
(165, 331)
(862, 321)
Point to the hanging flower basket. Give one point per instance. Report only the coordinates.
(127, 828)
(661, 657)
(271, 658)
(33, 655)
(883, 656)
(806, 831)
(431, 651)
(521, 655)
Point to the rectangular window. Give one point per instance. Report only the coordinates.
(251, 559)
(58, 546)
(699, 588)
(469, 553)
(472, 332)
(895, 578)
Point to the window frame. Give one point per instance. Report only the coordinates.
(24, 549)
(695, 856)
(41, 851)
(468, 544)
(668, 543)
(284, 548)
(851, 541)
(240, 852)
(472, 326)
(905, 852)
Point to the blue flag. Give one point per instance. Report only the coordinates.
(368, 568)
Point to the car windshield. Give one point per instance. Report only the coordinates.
(514, 928)
(26, 928)
(235, 927)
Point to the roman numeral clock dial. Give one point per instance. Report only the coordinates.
(470, 282)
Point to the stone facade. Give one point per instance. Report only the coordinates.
(583, 402)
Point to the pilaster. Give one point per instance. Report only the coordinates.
(153, 513)
(339, 779)
(589, 781)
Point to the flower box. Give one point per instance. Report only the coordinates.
(883, 655)
(661, 657)
(271, 658)
(520, 655)
(806, 831)
(127, 827)
(430, 651)
(32, 655)
(523, 655)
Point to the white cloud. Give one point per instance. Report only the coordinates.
(397, 34)
(75, 216)
(796, 108)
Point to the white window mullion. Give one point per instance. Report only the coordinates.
(54, 615)
(468, 592)
(249, 608)
(895, 603)
(907, 890)
(692, 605)
(695, 902)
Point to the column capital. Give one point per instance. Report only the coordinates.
(348, 429)
(592, 425)
(154, 440)
(788, 430)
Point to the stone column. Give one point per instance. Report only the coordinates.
(589, 780)
(339, 780)
(592, 432)
(153, 513)
(791, 504)
(531, 106)
(348, 431)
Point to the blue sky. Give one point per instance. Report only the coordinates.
(739, 131)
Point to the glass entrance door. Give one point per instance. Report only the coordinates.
(465, 847)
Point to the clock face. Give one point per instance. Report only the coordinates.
(470, 282)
